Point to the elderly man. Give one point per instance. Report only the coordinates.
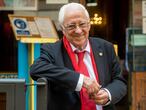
(83, 73)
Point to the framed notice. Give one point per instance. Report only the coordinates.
(33, 29)
(18, 4)
(56, 1)
(138, 40)
(144, 25)
(91, 2)
(44, 27)
(144, 8)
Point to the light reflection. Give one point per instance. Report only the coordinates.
(96, 20)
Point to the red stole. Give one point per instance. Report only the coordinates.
(89, 104)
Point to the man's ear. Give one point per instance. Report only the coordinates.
(61, 28)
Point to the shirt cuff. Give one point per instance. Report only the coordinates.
(80, 82)
(110, 97)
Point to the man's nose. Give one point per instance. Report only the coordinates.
(78, 29)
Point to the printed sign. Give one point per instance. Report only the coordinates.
(21, 27)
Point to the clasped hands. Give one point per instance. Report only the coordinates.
(95, 91)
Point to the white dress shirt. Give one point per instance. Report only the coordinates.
(88, 63)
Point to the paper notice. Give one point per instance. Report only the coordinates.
(56, 1)
(144, 8)
(45, 27)
(33, 28)
(144, 25)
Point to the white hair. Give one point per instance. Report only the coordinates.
(64, 8)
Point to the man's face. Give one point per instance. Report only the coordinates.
(76, 28)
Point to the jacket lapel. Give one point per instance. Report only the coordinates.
(68, 64)
(66, 59)
(99, 59)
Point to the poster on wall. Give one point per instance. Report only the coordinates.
(144, 8)
(137, 13)
(91, 2)
(144, 25)
(18, 4)
(56, 1)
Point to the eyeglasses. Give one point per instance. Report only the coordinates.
(81, 25)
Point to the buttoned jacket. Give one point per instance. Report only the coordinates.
(55, 65)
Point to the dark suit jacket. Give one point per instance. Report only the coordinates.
(55, 65)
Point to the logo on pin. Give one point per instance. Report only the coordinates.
(100, 54)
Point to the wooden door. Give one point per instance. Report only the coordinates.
(138, 91)
(2, 101)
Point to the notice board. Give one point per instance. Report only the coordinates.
(33, 29)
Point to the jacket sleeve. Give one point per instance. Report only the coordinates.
(49, 66)
(117, 87)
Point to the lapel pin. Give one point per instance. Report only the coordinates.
(100, 54)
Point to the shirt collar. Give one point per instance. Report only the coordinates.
(87, 48)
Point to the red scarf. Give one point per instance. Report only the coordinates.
(76, 68)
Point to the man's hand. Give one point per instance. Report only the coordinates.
(100, 98)
(91, 85)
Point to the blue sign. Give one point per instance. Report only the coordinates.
(20, 24)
